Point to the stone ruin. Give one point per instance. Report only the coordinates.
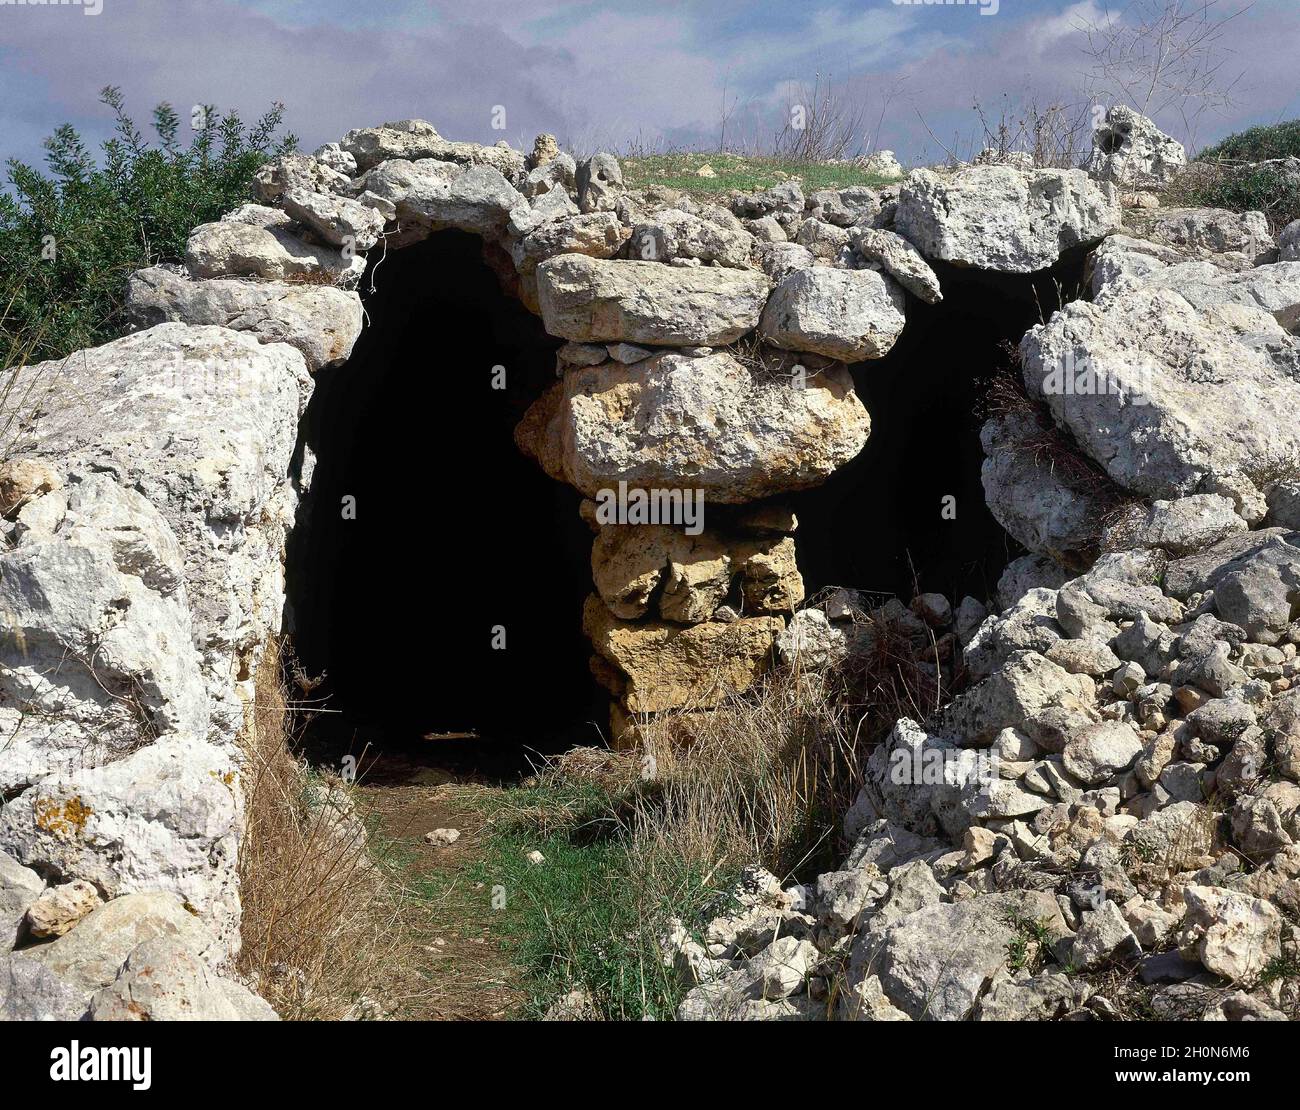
(700, 351)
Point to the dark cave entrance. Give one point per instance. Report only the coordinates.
(878, 524)
(455, 534)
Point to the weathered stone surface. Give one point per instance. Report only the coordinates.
(1099, 752)
(298, 171)
(339, 221)
(934, 963)
(89, 957)
(1288, 242)
(1103, 936)
(1208, 231)
(849, 315)
(162, 980)
(165, 818)
(1179, 527)
(19, 887)
(1028, 692)
(202, 422)
(710, 423)
(597, 235)
(1173, 402)
(321, 321)
(901, 260)
(60, 907)
(30, 991)
(93, 593)
(1274, 288)
(671, 233)
(1032, 497)
(1000, 218)
(810, 641)
(599, 182)
(1260, 594)
(690, 576)
(1131, 151)
(429, 195)
(242, 246)
(1029, 572)
(668, 666)
(416, 139)
(610, 301)
(1232, 934)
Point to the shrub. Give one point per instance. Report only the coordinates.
(1244, 188)
(70, 236)
(1257, 144)
(1229, 175)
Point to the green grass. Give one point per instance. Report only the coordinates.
(590, 914)
(734, 171)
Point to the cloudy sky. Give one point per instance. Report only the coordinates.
(606, 73)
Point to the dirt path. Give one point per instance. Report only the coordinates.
(475, 978)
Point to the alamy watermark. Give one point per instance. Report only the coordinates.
(90, 7)
(682, 507)
(986, 7)
(1077, 376)
(961, 767)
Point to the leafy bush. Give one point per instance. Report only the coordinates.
(1257, 144)
(1240, 188)
(70, 237)
(1229, 175)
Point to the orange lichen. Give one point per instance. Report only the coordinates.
(64, 818)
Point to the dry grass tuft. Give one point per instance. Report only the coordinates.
(328, 930)
(762, 776)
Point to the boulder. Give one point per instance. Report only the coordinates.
(671, 666)
(30, 991)
(1050, 508)
(94, 602)
(263, 245)
(1168, 400)
(671, 234)
(90, 956)
(593, 300)
(202, 422)
(899, 259)
(430, 195)
(19, 887)
(165, 818)
(709, 423)
(599, 183)
(848, 315)
(1205, 232)
(162, 980)
(1131, 151)
(338, 221)
(60, 907)
(934, 964)
(1232, 934)
(416, 139)
(322, 322)
(1179, 527)
(303, 172)
(1004, 219)
(1099, 752)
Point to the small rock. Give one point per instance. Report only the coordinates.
(58, 909)
(442, 837)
